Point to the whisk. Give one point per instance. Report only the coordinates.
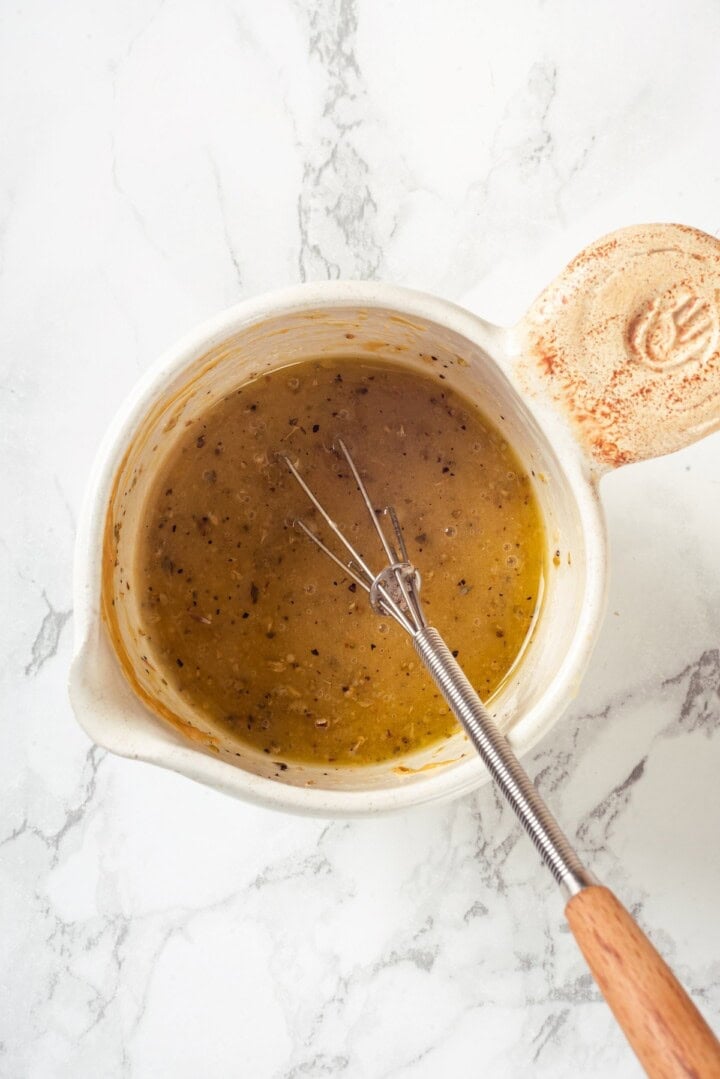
(667, 1032)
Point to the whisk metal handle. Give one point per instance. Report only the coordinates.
(504, 767)
(663, 1026)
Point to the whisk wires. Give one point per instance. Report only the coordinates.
(394, 590)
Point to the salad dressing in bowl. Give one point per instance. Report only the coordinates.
(281, 654)
(617, 360)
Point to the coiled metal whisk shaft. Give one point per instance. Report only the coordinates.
(394, 591)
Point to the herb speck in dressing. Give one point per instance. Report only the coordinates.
(269, 641)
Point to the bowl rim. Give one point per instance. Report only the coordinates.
(183, 757)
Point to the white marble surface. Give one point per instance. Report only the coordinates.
(160, 161)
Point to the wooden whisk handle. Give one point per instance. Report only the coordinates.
(667, 1032)
(663, 1026)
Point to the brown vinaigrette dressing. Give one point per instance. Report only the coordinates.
(261, 633)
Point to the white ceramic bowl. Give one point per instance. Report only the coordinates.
(588, 380)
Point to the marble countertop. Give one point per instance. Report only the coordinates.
(161, 161)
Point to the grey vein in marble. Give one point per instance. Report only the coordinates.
(549, 1031)
(223, 217)
(336, 207)
(46, 642)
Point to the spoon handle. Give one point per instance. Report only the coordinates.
(667, 1032)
